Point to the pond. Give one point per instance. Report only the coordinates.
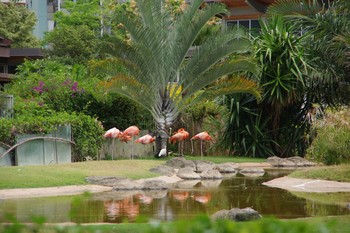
(186, 200)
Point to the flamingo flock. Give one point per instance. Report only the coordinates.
(178, 136)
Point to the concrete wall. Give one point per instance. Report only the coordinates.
(122, 150)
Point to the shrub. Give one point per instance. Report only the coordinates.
(332, 142)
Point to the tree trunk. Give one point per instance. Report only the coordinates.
(161, 141)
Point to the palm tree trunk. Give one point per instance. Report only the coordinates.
(161, 140)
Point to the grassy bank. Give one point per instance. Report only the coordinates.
(74, 173)
(336, 173)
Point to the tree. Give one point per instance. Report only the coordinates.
(17, 24)
(71, 44)
(160, 75)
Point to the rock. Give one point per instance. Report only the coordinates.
(203, 165)
(180, 162)
(301, 162)
(104, 180)
(236, 214)
(127, 185)
(187, 173)
(295, 161)
(154, 185)
(279, 162)
(211, 174)
(186, 184)
(211, 183)
(227, 167)
(163, 170)
(252, 172)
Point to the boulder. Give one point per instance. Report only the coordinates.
(203, 165)
(104, 180)
(279, 162)
(252, 172)
(211, 174)
(163, 170)
(127, 185)
(180, 162)
(211, 183)
(186, 184)
(295, 161)
(154, 185)
(187, 173)
(227, 167)
(236, 214)
(301, 162)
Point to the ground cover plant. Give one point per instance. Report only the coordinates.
(198, 225)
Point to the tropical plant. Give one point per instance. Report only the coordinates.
(160, 75)
(326, 28)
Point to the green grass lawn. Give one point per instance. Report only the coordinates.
(74, 173)
(337, 173)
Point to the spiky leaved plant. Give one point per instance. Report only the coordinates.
(160, 75)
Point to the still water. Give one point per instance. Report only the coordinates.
(186, 200)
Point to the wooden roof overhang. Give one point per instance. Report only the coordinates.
(250, 9)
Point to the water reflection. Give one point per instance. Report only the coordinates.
(186, 200)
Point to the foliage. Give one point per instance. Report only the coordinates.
(246, 132)
(33, 119)
(71, 44)
(60, 88)
(80, 13)
(284, 70)
(155, 57)
(17, 24)
(198, 224)
(331, 146)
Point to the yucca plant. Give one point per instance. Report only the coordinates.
(160, 76)
(284, 70)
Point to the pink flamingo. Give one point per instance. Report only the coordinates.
(113, 133)
(179, 136)
(131, 132)
(147, 139)
(203, 136)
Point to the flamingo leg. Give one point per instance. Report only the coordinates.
(132, 147)
(201, 149)
(182, 147)
(179, 148)
(113, 148)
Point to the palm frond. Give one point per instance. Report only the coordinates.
(219, 70)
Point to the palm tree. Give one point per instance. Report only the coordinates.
(160, 75)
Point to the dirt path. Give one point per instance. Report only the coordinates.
(51, 191)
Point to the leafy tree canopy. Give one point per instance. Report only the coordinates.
(17, 24)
